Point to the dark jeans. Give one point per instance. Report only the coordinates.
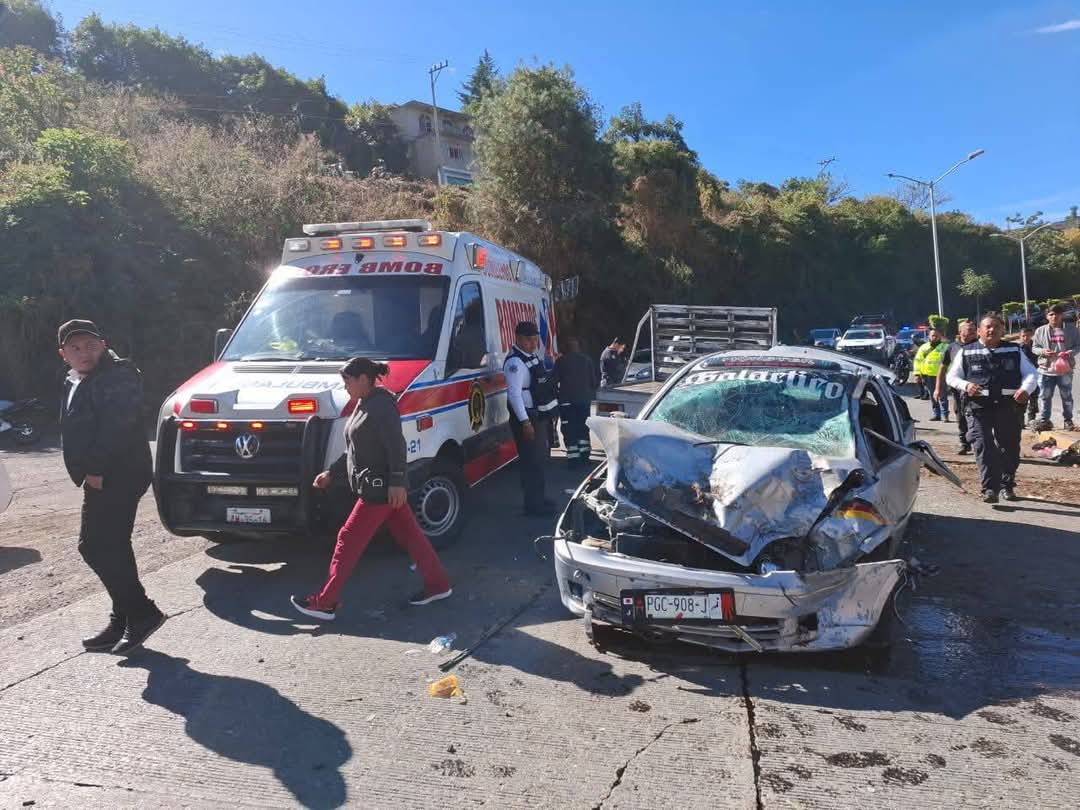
(994, 432)
(574, 430)
(108, 518)
(533, 456)
(961, 417)
(1033, 406)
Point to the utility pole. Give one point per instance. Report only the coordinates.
(434, 72)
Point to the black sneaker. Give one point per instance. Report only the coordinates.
(989, 496)
(309, 606)
(424, 598)
(1044, 424)
(965, 449)
(1069, 426)
(139, 631)
(935, 418)
(946, 417)
(107, 638)
(1009, 494)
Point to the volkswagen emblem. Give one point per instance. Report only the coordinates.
(247, 445)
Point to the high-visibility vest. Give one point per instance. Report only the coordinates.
(928, 360)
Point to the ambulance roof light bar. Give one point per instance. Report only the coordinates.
(331, 228)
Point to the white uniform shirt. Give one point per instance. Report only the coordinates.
(74, 378)
(1028, 376)
(517, 387)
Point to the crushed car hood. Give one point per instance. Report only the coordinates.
(735, 499)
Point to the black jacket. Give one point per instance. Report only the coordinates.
(102, 431)
(373, 441)
(577, 377)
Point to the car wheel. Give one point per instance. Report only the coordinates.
(440, 503)
(26, 434)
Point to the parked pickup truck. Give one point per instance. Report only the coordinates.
(677, 335)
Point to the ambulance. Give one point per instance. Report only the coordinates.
(241, 441)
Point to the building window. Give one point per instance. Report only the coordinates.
(455, 153)
(425, 123)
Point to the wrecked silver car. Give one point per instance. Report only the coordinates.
(756, 504)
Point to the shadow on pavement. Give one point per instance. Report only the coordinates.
(494, 570)
(247, 721)
(12, 557)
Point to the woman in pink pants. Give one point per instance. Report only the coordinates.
(374, 466)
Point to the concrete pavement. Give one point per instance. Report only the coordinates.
(239, 701)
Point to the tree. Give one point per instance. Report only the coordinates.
(483, 81)
(27, 22)
(370, 123)
(631, 125)
(35, 93)
(977, 286)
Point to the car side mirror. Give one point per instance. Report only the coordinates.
(221, 339)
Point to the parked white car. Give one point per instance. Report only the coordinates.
(756, 504)
(871, 343)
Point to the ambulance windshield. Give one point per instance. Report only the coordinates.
(335, 318)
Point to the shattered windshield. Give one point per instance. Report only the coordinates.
(799, 408)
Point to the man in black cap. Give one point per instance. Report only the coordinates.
(531, 399)
(107, 454)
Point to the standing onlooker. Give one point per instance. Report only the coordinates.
(996, 376)
(533, 402)
(1027, 335)
(612, 363)
(928, 363)
(576, 375)
(374, 467)
(106, 452)
(1056, 346)
(966, 333)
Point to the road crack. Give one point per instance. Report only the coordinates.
(620, 771)
(751, 724)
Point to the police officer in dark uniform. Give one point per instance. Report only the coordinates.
(532, 402)
(996, 378)
(106, 452)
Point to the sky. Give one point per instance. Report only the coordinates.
(766, 89)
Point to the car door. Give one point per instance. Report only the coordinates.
(896, 471)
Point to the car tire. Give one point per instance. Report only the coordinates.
(441, 503)
(25, 435)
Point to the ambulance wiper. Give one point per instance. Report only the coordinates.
(284, 358)
(316, 358)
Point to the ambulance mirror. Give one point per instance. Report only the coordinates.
(221, 338)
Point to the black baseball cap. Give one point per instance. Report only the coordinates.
(77, 327)
(526, 329)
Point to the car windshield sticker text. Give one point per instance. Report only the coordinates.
(794, 379)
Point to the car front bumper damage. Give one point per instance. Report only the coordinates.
(779, 611)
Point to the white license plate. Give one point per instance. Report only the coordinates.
(243, 514)
(683, 606)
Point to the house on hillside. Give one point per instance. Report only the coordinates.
(416, 125)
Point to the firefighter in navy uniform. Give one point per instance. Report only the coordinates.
(532, 402)
(996, 378)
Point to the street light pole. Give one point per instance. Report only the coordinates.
(930, 184)
(1023, 262)
(937, 259)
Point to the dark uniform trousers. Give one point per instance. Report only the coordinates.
(994, 432)
(960, 406)
(108, 518)
(533, 456)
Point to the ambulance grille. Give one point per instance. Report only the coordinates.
(278, 457)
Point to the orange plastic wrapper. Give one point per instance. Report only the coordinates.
(447, 687)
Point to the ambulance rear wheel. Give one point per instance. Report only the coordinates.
(440, 503)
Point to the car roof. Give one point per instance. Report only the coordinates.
(844, 363)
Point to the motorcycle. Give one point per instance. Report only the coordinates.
(16, 421)
(901, 367)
